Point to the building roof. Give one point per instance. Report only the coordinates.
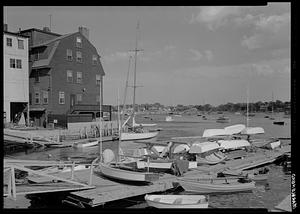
(39, 30)
(42, 63)
(52, 40)
(15, 34)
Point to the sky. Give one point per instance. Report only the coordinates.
(192, 55)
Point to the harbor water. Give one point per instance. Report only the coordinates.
(266, 195)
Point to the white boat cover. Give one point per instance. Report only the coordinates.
(253, 130)
(275, 144)
(234, 129)
(181, 148)
(233, 144)
(159, 148)
(198, 147)
(213, 132)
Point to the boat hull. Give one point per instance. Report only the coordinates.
(138, 136)
(169, 201)
(206, 187)
(126, 175)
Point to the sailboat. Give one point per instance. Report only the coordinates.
(137, 132)
(118, 171)
(272, 117)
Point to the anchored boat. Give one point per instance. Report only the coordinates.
(216, 185)
(177, 201)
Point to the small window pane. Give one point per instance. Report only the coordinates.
(45, 97)
(69, 76)
(12, 63)
(79, 77)
(61, 97)
(19, 63)
(9, 42)
(98, 79)
(78, 42)
(78, 56)
(37, 98)
(95, 59)
(69, 55)
(20, 44)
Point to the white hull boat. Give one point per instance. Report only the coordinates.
(215, 185)
(126, 175)
(87, 143)
(128, 136)
(177, 201)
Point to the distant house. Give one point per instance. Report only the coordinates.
(65, 70)
(263, 107)
(15, 75)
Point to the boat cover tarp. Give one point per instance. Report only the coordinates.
(234, 129)
(233, 144)
(181, 148)
(253, 130)
(198, 147)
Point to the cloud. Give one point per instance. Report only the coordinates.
(215, 16)
(272, 31)
(167, 51)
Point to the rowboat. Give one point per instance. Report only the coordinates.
(177, 201)
(129, 136)
(155, 164)
(254, 175)
(87, 143)
(117, 173)
(233, 144)
(216, 185)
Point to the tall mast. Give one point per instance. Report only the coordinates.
(247, 122)
(126, 86)
(134, 76)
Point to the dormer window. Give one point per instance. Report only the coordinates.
(95, 59)
(78, 42)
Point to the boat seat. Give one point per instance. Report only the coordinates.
(178, 201)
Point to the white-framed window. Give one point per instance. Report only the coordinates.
(36, 56)
(98, 79)
(19, 63)
(37, 97)
(95, 60)
(69, 76)
(9, 42)
(79, 77)
(61, 97)
(78, 42)
(78, 56)
(12, 63)
(79, 98)
(69, 55)
(20, 44)
(45, 97)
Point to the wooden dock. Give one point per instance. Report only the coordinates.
(285, 205)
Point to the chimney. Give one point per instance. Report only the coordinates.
(5, 27)
(84, 31)
(46, 29)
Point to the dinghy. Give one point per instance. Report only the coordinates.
(216, 185)
(130, 136)
(87, 143)
(177, 201)
(118, 173)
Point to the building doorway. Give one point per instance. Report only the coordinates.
(16, 110)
